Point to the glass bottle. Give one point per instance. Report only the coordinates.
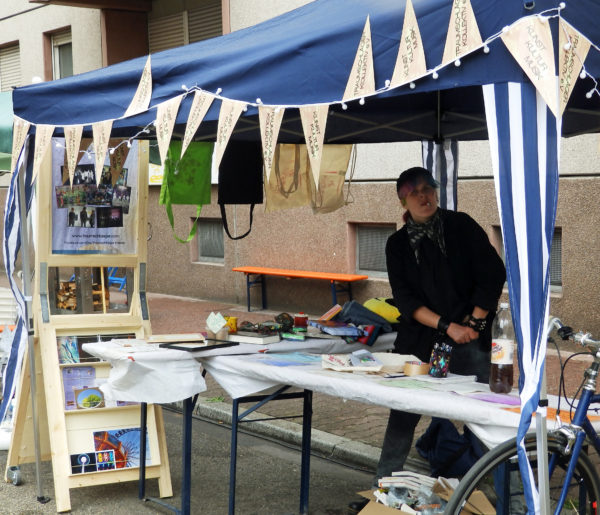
(503, 344)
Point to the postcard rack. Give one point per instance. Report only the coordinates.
(89, 286)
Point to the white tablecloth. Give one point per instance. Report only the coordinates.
(147, 373)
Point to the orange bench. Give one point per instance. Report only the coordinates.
(255, 275)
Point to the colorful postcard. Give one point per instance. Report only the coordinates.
(125, 443)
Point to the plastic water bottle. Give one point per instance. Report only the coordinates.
(503, 345)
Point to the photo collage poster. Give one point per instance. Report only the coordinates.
(91, 216)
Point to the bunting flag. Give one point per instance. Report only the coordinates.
(362, 77)
(410, 62)
(101, 134)
(441, 159)
(143, 94)
(20, 130)
(200, 106)
(228, 117)
(165, 121)
(270, 122)
(530, 43)
(43, 135)
(575, 48)
(314, 119)
(72, 142)
(525, 148)
(463, 33)
(117, 157)
(12, 245)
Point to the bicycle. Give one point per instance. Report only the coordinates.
(574, 482)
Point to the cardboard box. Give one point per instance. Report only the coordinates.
(376, 508)
(477, 504)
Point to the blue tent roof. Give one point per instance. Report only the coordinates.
(305, 57)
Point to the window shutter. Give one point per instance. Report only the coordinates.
(371, 240)
(61, 38)
(10, 67)
(167, 32)
(206, 22)
(556, 259)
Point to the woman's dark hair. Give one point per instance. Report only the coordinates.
(409, 179)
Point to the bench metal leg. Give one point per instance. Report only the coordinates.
(339, 288)
(260, 279)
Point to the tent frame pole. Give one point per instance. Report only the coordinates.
(26, 267)
(542, 447)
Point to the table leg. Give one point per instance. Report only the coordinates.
(188, 407)
(143, 423)
(305, 466)
(233, 458)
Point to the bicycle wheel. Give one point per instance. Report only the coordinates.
(497, 475)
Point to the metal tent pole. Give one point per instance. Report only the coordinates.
(23, 229)
(542, 450)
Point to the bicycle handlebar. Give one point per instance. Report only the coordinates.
(580, 338)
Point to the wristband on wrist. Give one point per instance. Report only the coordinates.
(478, 324)
(443, 325)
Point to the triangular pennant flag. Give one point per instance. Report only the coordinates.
(72, 140)
(575, 48)
(141, 99)
(101, 132)
(20, 130)
(228, 117)
(270, 122)
(200, 105)
(314, 119)
(463, 33)
(117, 156)
(165, 121)
(410, 62)
(43, 135)
(529, 41)
(362, 77)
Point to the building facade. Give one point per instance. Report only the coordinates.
(48, 39)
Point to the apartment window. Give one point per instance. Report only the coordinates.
(210, 241)
(62, 55)
(179, 29)
(370, 248)
(10, 67)
(555, 257)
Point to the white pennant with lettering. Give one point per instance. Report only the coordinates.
(101, 132)
(463, 33)
(200, 106)
(228, 117)
(410, 62)
(43, 135)
(529, 41)
(314, 119)
(362, 77)
(270, 122)
(72, 142)
(143, 94)
(20, 130)
(575, 48)
(165, 121)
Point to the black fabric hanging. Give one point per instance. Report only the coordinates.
(240, 179)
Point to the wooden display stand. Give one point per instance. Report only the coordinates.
(76, 307)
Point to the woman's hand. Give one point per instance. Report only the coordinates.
(461, 334)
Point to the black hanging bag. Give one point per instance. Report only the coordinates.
(240, 179)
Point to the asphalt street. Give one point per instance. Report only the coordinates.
(268, 479)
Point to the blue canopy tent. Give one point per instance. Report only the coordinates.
(304, 58)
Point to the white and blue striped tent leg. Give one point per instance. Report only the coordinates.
(12, 245)
(525, 146)
(441, 159)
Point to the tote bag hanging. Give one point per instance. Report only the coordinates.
(186, 180)
(240, 179)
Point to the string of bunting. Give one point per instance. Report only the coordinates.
(529, 40)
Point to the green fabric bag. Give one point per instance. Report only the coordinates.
(187, 181)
